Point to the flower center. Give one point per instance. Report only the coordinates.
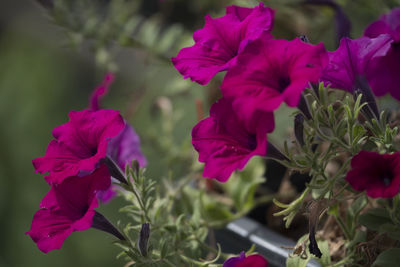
(387, 178)
(283, 82)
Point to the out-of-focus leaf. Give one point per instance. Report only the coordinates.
(242, 185)
(374, 218)
(388, 258)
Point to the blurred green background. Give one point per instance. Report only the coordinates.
(51, 61)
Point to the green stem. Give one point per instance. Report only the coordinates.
(346, 231)
(139, 199)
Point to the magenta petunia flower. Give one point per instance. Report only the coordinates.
(255, 260)
(351, 62)
(221, 40)
(269, 72)
(377, 174)
(226, 143)
(80, 144)
(382, 72)
(68, 207)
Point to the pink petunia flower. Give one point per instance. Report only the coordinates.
(269, 72)
(382, 72)
(68, 207)
(221, 40)
(226, 143)
(79, 144)
(377, 174)
(255, 260)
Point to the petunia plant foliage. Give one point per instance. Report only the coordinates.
(346, 143)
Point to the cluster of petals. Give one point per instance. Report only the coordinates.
(221, 40)
(270, 72)
(226, 142)
(78, 172)
(255, 260)
(67, 207)
(377, 174)
(375, 57)
(262, 73)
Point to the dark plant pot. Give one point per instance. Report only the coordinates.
(239, 235)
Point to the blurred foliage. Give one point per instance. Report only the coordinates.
(42, 78)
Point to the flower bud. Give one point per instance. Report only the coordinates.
(115, 170)
(101, 223)
(370, 110)
(299, 128)
(144, 239)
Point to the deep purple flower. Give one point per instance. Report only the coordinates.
(125, 147)
(221, 40)
(350, 63)
(377, 174)
(226, 143)
(387, 24)
(255, 260)
(80, 144)
(269, 72)
(382, 72)
(68, 207)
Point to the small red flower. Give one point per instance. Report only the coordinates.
(377, 174)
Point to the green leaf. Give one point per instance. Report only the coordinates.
(164, 249)
(297, 262)
(357, 206)
(391, 230)
(374, 218)
(215, 211)
(325, 260)
(360, 236)
(243, 185)
(388, 258)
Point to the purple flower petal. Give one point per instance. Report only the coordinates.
(387, 24)
(226, 143)
(68, 207)
(353, 59)
(79, 144)
(219, 42)
(255, 260)
(100, 91)
(377, 174)
(270, 72)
